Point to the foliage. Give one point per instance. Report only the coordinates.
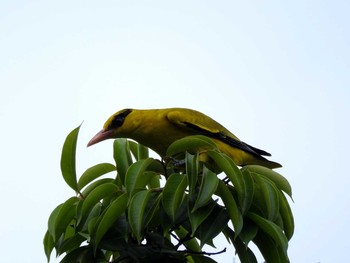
(130, 217)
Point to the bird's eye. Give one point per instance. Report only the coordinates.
(119, 119)
(116, 122)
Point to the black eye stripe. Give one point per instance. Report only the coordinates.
(119, 119)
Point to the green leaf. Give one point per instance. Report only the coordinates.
(152, 207)
(271, 229)
(82, 227)
(207, 188)
(76, 255)
(287, 216)
(139, 151)
(243, 251)
(70, 244)
(65, 216)
(95, 184)
(136, 177)
(190, 244)
(52, 221)
(212, 225)
(197, 217)
(142, 152)
(190, 144)
(226, 164)
(92, 225)
(275, 177)
(68, 159)
(173, 193)
(122, 157)
(248, 232)
(94, 197)
(111, 214)
(270, 195)
(231, 206)
(134, 149)
(84, 254)
(49, 244)
(94, 172)
(136, 212)
(192, 169)
(249, 189)
(154, 181)
(271, 252)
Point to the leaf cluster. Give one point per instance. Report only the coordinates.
(132, 217)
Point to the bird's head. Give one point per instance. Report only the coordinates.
(113, 127)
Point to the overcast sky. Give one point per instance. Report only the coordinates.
(275, 73)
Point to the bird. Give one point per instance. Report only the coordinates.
(157, 129)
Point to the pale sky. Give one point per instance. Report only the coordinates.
(275, 73)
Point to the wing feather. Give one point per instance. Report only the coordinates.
(198, 122)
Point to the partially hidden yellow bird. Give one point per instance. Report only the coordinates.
(158, 128)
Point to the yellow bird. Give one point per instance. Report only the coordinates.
(159, 128)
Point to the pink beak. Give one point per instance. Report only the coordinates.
(100, 136)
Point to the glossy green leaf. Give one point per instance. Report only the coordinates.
(76, 255)
(226, 164)
(207, 188)
(190, 144)
(68, 159)
(154, 181)
(270, 194)
(139, 151)
(248, 232)
(92, 225)
(94, 172)
(52, 221)
(136, 177)
(152, 207)
(136, 212)
(197, 217)
(231, 206)
(65, 216)
(272, 252)
(82, 227)
(49, 244)
(133, 148)
(271, 229)
(173, 193)
(212, 225)
(275, 177)
(142, 152)
(95, 184)
(141, 181)
(94, 197)
(244, 253)
(192, 169)
(111, 214)
(156, 166)
(122, 157)
(84, 254)
(70, 243)
(249, 189)
(287, 216)
(165, 221)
